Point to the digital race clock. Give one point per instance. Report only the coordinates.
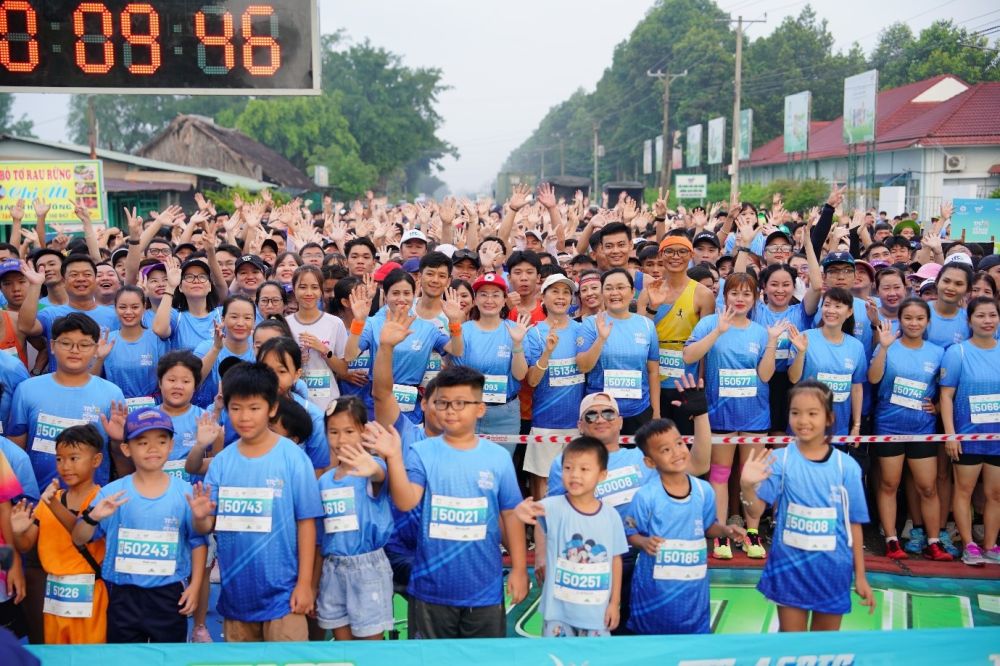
(160, 46)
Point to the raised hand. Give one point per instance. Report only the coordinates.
(798, 339)
(551, 341)
(201, 502)
(519, 197)
(757, 467)
(22, 517)
(774, 332)
(656, 293)
(31, 275)
(451, 307)
(693, 401)
(108, 506)
(358, 461)
(42, 207)
(604, 325)
(836, 197)
(17, 211)
(382, 441)
(104, 346)
(546, 195)
(528, 511)
(519, 328)
(115, 425)
(208, 428)
(885, 335)
(396, 328)
(218, 335)
(173, 267)
(725, 320)
(361, 302)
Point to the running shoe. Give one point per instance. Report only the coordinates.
(973, 556)
(937, 552)
(947, 544)
(894, 551)
(993, 555)
(200, 634)
(722, 549)
(917, 542)
(753, 547)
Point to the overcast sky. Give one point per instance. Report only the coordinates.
(509, 61)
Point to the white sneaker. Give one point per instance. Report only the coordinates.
(905, 534)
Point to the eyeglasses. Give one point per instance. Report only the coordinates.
(457, 405)
(77, 275)
(676, 252)
(68, 345)
(159, 251)
(269, 301)
(840, 271)
(620, 287)
(774, 249)
(606, 414)
(196, 278)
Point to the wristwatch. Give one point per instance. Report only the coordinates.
(329, 353)
(651, 310)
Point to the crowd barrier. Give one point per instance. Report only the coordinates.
(762, 439)
(933, 647)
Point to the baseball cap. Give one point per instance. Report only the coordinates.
(465, 255)
(778, 234)
(188, 246)
(145, 419)
(253, 260)
(490, 279)
(989, 261)
(868, 268)
(928, 271)
(959, 258)
(598, 399)
(559, 278)
(537, 234)
(707, 236)
(383, 271)
(924, 285)
(838, 258)
(10, 266)
(196, 261)
(447, 249)
(411, 265)
(149, 268)
(120, 253)
(413, 234)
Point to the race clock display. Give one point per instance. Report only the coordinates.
(161, 46)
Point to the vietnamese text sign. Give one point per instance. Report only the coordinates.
(693, 156)
(746, 133)
(60, 183)
(797, 122)
(716, 139)
(860, 93)
(691, 187)
(978, 218)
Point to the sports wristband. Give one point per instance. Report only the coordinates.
(651, 310)
(518, 350)
(455, 329)
(85, 517)
(357, 327)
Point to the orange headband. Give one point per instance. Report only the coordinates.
(670, 241)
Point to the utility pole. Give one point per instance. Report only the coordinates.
(541, 176)
(91, 127)
(666, 158)
(596, 146)
(734, 183)
(562, 156)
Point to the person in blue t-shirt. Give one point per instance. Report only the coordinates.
(585, 540)
(905, 371)
(550, 351)
(620, 352)
(949, 324)
(127, 357)
(667, 522)
(466, 486)
(819, 508)
(231, 337)
(153, 548)
(12, 373)
(739, 359)
(970, 386)
(355, 584)
(261, 499)
(189, 290)
(836, 358)
(44, 406)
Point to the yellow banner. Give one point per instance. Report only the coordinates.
(62, 184)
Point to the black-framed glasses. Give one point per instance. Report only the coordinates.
(457, 405)
(592, 415)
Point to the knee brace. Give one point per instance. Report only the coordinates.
(719, 473)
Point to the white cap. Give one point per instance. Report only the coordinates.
(959, 258)
(601, 398)
(559, 278)
(536, 233)
(413, 234)
(447, 249)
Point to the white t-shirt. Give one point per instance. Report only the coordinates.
(319, 379)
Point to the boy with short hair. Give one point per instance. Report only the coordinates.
(465, 486)
(75, 595)
(585, 540)
(152, 543)
(261, 498)
(668, 522)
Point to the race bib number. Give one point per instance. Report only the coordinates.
(681, 559)
(406, 397)
(495, 389)
(458, 518)
(69, 596)
(563, 372)
(434, 365)
(318, 382)
(587, 583)
(908, 393)
(339, 511)
(808, 528)
(671, 364)
(362, 362)
(244, 509)
(737, 383)
(984, 408)
(623, 384)
(840, 384)
(146, 552)
(135, 404)
(176, 468)
(620, 486)
(48, 428)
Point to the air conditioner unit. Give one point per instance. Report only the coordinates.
(953, 163)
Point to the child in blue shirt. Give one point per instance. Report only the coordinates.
(819, 506)
(152, 546)
(354, 591)
(465, 486)
(261, 499)
(585, 540)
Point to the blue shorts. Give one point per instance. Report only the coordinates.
(356, 591)
(557, 629)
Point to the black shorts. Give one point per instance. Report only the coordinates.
(630, 424)
(978, 459)
(912, 450)
(778, 389)
(668, 411)
(145, 615)
(436, 621)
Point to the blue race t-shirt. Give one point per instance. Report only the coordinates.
(356, 520)
(490, 352)
(973, 373)
(131, 366)
(260, 501)
(12, 373)
(626, 474)
(910, 378)
(457, 561)
(21, 464)
(188, 331)
(185, 437)
(947, 331)
(580, 549)
(406, 524)
(42, 409)
(621, 369)
(839, 366)
(149, 539)
(767, 318)
(103, 315)
(205, 395)
(562, 385)
(316, 446)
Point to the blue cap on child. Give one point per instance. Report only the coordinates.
(146, 419)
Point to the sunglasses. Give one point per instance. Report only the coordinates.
(606, 414)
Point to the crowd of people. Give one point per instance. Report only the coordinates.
(295, 401)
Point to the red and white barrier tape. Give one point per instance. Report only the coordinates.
(745, 439)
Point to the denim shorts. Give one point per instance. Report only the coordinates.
(356, 591)
(502, 419)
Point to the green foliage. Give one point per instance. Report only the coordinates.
(941, 48)
(223, 199)
(8, 125)
(995, 194)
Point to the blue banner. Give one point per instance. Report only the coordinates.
(914, 648)
(978, 218)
